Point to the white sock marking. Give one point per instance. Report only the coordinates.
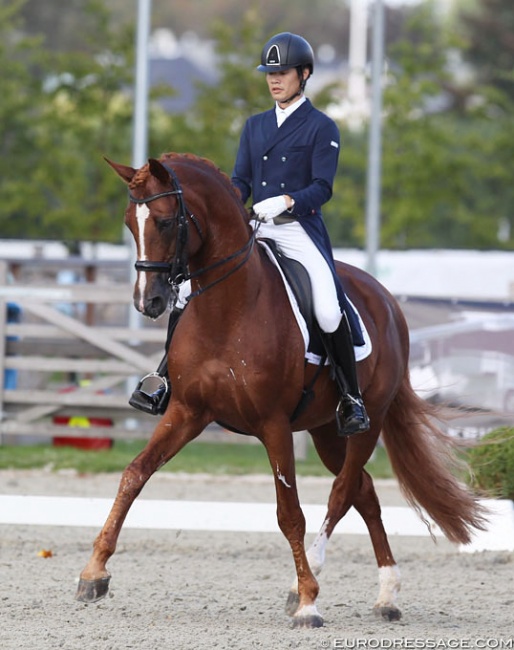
(389, 585)
(316, 551)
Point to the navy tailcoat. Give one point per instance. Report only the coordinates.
(298, 159)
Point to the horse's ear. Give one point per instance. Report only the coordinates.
(158, 170)
(124, 172)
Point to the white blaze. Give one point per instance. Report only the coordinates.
(142, 212)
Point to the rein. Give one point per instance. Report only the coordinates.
(178, 267)
(248, 247)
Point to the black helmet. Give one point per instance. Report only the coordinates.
(284, 51)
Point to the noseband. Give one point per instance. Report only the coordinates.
(177, 269)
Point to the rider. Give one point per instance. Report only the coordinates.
(287, 160)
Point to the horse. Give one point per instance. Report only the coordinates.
(237, 356)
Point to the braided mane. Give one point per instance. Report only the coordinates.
(141, 175)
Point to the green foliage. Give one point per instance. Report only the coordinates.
(492, 464)
(445, 161)
(21, 97)
(211, 128)
(447, 149)
(488, 27)
(61, 112)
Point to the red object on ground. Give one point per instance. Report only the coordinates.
(82, 443)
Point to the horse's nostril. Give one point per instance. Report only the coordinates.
(154, 307)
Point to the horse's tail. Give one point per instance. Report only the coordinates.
(425, 461)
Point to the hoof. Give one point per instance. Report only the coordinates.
(388, 613)
(293, 600)
(90, 591)
(307, 622)
(307, 617)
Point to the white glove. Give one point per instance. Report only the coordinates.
(268, 209)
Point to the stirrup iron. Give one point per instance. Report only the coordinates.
(351, 416)
(154, 403)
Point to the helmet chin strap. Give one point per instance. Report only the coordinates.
(290, 99)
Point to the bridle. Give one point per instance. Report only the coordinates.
(177, 270)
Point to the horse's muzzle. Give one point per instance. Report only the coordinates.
(152, 307)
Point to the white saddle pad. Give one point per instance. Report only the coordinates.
(361, 351)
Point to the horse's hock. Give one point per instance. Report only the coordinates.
(66, 357)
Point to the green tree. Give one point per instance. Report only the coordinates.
(21, 102)
(445, 163)
(87, 116)
(488, 28)
(419, 173)
(64, 111)
(211, 127)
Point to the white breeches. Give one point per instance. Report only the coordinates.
(294, 242)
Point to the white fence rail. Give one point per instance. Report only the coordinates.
(48, 344)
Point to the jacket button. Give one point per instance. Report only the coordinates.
(282, 185)
(263, 183)
(265, 157)
(284, 159)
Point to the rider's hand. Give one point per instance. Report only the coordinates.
(268, 209)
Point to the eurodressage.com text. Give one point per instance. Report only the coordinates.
(413, 643)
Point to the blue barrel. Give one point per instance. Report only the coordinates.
(10, 374)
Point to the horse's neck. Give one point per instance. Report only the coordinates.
(229, 266)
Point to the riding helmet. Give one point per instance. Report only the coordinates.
(284, 51)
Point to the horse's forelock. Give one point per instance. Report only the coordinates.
(140, 177)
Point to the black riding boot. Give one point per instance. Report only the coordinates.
(350, 414)
(156, 403)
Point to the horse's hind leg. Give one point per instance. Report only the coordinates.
(367, 505)
(358, 491)
(165, 442)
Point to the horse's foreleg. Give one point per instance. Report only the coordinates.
(368, 506)
(331, 449)
(316, 559)
(162, 446)
(292, 524)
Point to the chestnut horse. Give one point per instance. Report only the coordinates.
(237, 356)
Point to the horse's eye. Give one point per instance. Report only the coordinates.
(164, 224)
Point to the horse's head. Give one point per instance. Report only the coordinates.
(207, 241)
(156, 217)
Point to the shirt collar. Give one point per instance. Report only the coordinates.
(283, 113)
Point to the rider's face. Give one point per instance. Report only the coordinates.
(283, 85)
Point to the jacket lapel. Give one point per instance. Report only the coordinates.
(274, 135)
